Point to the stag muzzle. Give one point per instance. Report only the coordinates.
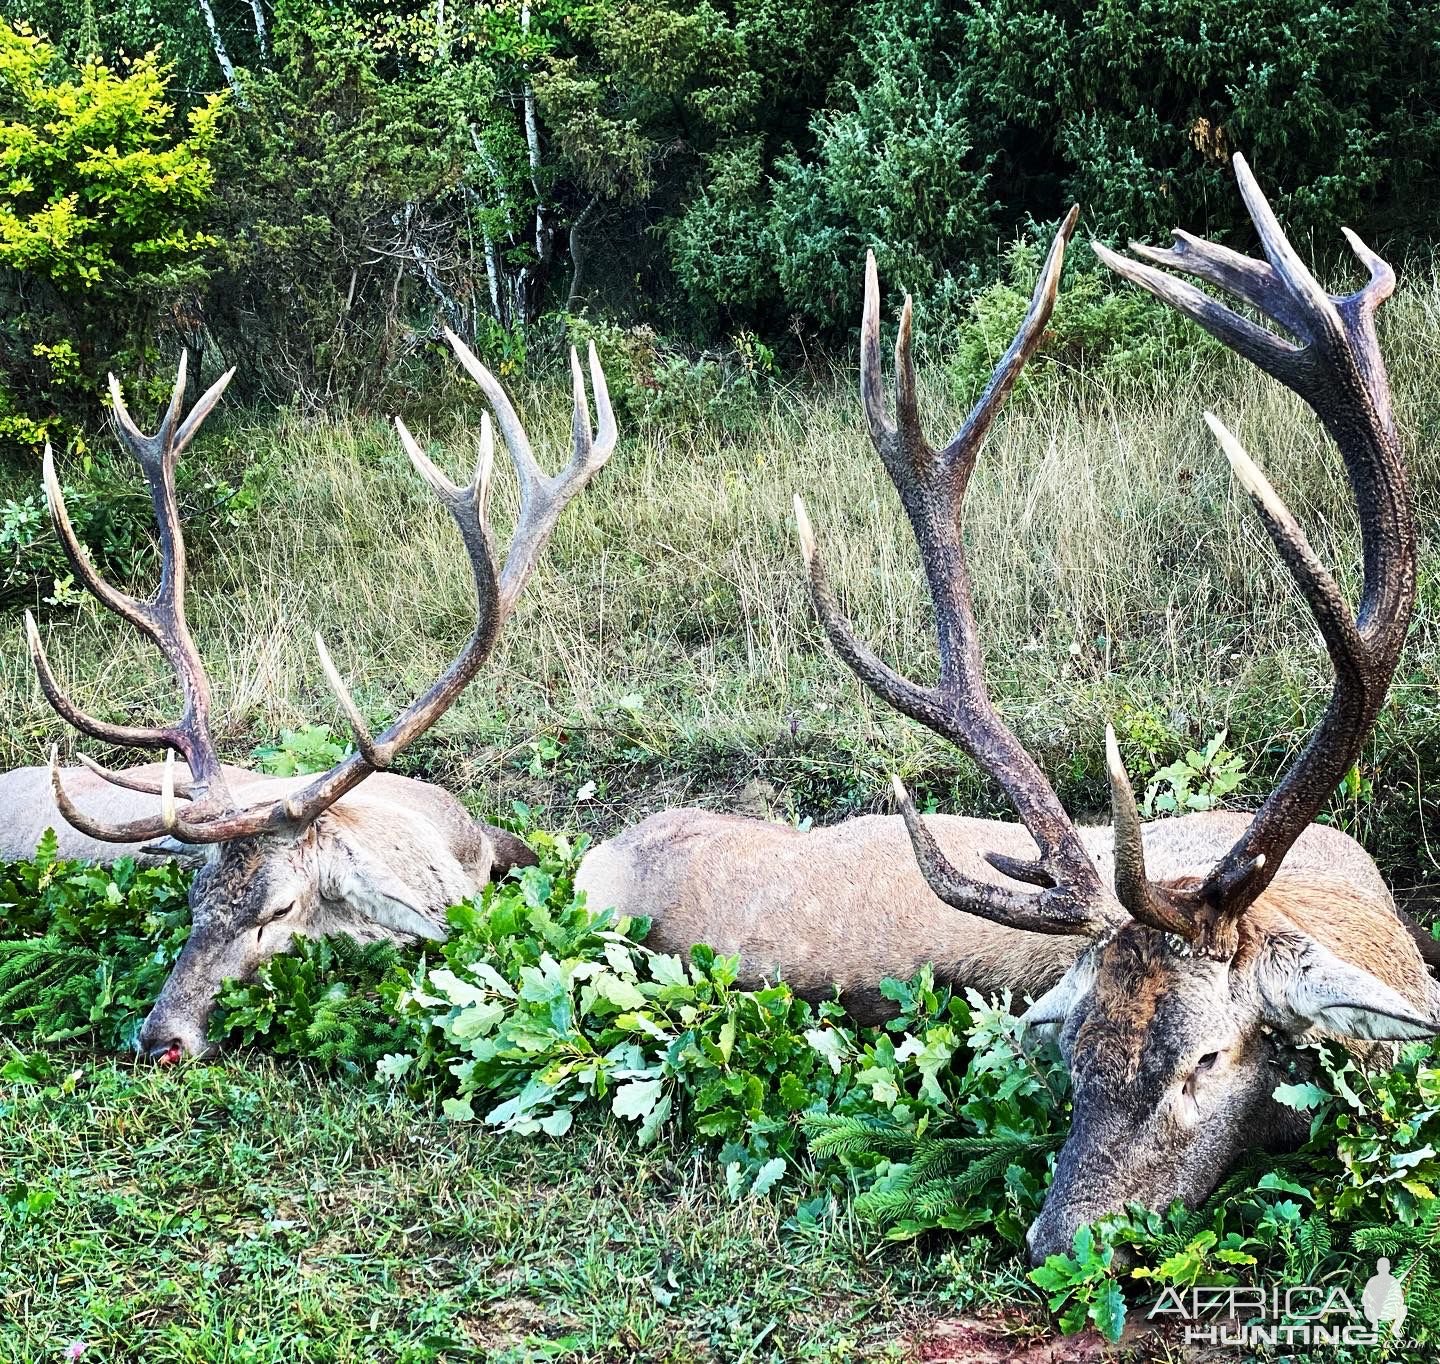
(1096, 1173)
(176, 1026)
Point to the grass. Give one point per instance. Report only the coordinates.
(248, 1212)
(665, 648)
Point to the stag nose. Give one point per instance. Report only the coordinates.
(1049, 1235)
(167, 1041)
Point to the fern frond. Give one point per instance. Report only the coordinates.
(834, 1134)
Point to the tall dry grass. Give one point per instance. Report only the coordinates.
(666, 641)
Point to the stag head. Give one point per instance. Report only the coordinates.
(1180, 1018)
(1174, 1056)
(295, 858)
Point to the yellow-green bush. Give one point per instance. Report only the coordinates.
(103, 191)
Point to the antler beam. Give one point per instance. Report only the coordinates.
(932, 485)
(1334, 364)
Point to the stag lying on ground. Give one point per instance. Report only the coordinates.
(1199, 949)
(305, 856)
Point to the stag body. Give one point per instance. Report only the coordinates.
(354, 850)
(28, 808)
(845, 906)
(1181, 1012)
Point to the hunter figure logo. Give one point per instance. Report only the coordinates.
(1302, 1314)
(1383, 1300)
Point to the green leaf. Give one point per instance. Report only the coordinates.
(1107, 1311)
(615, 990)
(394, 1066)
(458, 1110)
(830, 1043)
(767, 1177)
(636, 1098)
(668, 970)
(1301, 1097)
(654, 1120)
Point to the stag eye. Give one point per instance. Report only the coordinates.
(273, 917)
(1207, 1062)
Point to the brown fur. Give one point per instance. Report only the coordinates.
(843, 907)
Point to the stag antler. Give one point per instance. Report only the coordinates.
(932, 485)
(161, 616)
(1337, 369)
(214, 817)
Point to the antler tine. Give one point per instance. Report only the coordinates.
(1293, 273)
(1247, 339)
(204, 405)
(125, 421)
(580, 414)
(130, 782)
(1321, 592)
(907, 397)
(964, 445)
(165, 437)
(1334, 364)
(1043, 913)
(133, 831)
(1072, 898)
(909, 698)
(121, 603)
(443, 488)
(542, 498)
(512, 431)
(607, 432)
(872, 384)
(128, 736)
(1148, 903)
(364, 741)
(1382, 275)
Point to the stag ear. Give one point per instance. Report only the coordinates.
(1314, 988)
(507, 850)
(1055, 1005)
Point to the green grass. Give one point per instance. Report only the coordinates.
(666, 650)
(250, 1212)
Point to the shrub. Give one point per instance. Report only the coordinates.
(320, 1001)
(950, 126)
(1117, 335)
(103, 192)
(86, 949)
(655, 383)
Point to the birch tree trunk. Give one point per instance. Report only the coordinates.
(217, 43)
(262, 41)
(544, 232)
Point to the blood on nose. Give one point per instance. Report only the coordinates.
(171, 1056)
